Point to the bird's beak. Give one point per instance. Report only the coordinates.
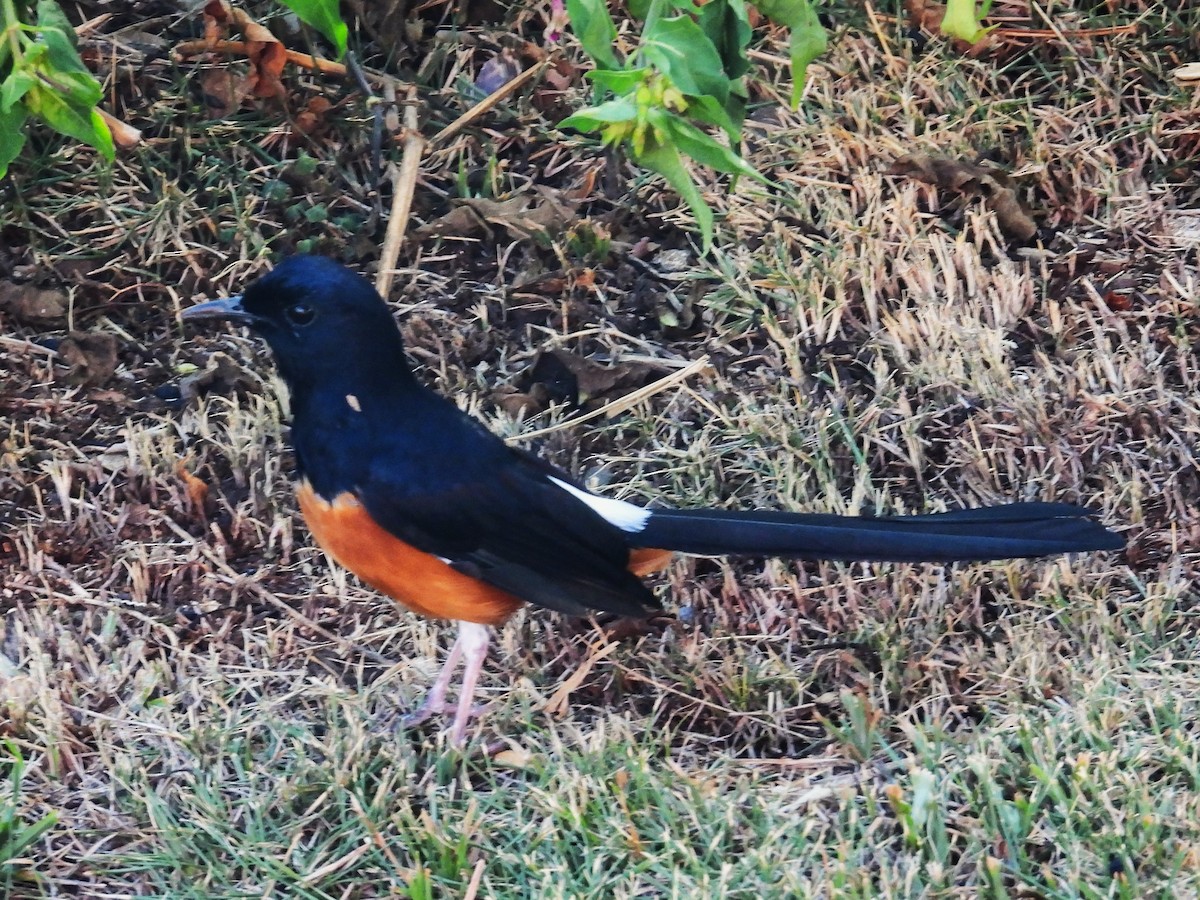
(228, 308)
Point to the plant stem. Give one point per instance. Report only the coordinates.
(12, 31)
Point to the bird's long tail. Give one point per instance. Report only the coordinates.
(994, 532)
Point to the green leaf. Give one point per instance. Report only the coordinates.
(728, 27)
(324, 16)
(15, 86)
(67, 115)
(56, 33)
(12, 135)
(593, 26)
(623, 109)
(80, 88)
(962, 21)
(665, 160)
(679, 49)
(701, 147)
(710, 112)
(50, 15)
(808, 37)
(618, 81)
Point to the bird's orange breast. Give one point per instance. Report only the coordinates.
(419, 580)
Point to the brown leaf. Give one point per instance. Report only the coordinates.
(76, 269)
(926, 15)
(223, 91)
(514, 758)
(30, 303)
(313, 118)
(550, 96)
(268, 59)
(1118, 302)
(544, 284)
(461, 221)
(522, 405)
(974, 180)
(222, 376)
(124, 135)
(195, 488)
(266, 54)
(92, 356)
(567, 377)
(522, 216)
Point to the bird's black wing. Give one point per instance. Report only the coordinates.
(511, 527)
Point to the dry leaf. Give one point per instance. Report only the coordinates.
(514, 758)
(519, 404)
(223, 91)
(92, 356)
(522, 216)
(1189, 73)
(30, 303)
(222, 376)
(561, 701)
(313, 119)
(568, 377)
(973, 180)
(124, 135)
(266, 54)
(550, 95)
(195, 488)
(925, 15)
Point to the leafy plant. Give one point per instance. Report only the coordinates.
(42, 76)
(688, 70)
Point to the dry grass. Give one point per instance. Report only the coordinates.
(195, 693)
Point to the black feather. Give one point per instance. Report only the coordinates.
(993, 532)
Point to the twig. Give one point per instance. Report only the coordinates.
(405, 182)
(560, 702)
(307, 60)
(488, 102)
(621, 404)
(1043, 34)
(25, 346)
(376, 108)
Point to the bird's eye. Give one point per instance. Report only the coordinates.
(300, 314)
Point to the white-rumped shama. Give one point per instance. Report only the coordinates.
(421, 502)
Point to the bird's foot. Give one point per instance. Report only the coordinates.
(438, 707)
(472, 645)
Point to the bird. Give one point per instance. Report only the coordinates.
(424, 504)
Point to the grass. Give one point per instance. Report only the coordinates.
(193, 697)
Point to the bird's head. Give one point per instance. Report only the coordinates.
(320, 319)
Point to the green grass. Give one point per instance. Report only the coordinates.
(198, 700)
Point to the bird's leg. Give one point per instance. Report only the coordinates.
(435, 699)
(473, 643)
